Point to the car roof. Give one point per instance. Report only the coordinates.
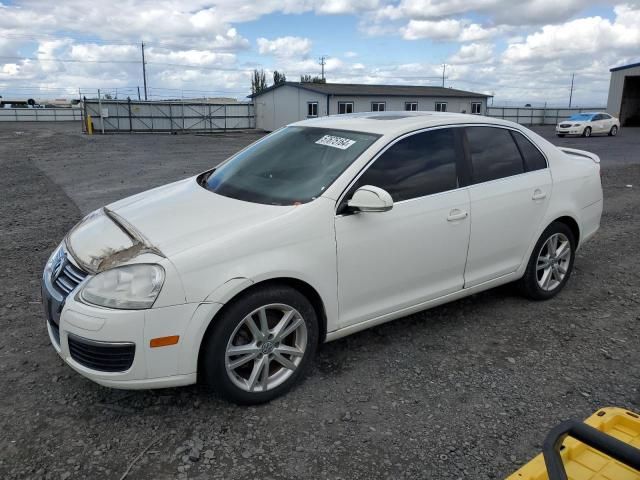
(394, 123)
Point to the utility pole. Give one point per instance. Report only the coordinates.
(322, 64)
(444, 68)
(144, 72)
(571, 92)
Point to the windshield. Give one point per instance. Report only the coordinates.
(581, 116)
(293, 165)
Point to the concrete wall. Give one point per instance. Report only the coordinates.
(616, 90)
(363, 103)
(287, 104)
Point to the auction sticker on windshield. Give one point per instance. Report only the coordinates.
(336, 142)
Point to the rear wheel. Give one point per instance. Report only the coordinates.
(551, 263)
(586, 132)
(614, 131)
(260, 346)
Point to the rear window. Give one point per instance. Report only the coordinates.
(494, 154)
(290, 166)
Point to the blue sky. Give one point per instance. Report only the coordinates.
(522, 51)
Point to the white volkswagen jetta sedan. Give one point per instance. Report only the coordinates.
(587, 124)
(319, 230)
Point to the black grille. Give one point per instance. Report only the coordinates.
(101, 356)
(68, 277)
(565, 125)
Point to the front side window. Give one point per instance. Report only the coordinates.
(378, 106)
(411, 106)
(475, 108)
(494, 154)
(312, 109)
(293, 165)
(441, 107)
(533, 159)
(419, 165)
(345, 107)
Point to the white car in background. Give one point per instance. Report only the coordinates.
(324, 228)
(587, 124)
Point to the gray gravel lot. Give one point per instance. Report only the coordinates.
(467, 390)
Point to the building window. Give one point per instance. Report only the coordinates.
(411, 106)
(476, 107)
(312, 109)
(345, 107)
(378, 106)
(441, 106)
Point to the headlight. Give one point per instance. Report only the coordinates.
(576, 124)
(132, 287)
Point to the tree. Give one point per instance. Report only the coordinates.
(258, 81)
(279, 78)
(310, 79)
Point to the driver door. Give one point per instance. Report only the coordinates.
(388, 261)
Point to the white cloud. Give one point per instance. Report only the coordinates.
(447, 30)
(350, 54)
(284, 46)
(583, 38)
(473, 53)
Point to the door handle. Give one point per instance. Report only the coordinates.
(456, 214)
(538, 194)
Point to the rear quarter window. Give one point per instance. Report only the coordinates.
(533, 158)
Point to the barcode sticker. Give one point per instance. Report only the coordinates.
(336, 142)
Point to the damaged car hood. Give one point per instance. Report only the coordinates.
(103, 240)
(164, 221)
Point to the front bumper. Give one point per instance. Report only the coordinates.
(569, 131)
(112, 347)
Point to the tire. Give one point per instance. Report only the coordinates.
(247, 384)
(586, 132)
(561, 135)
(614, 131)
(534, 283)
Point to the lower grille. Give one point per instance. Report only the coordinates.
(101, 356)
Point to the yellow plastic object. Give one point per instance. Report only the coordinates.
(584, 463)
(89, 125)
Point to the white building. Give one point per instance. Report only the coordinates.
(289, 102)
(624, 94)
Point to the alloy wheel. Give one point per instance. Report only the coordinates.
(266, 348)
(553, 262)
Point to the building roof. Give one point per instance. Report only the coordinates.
(624, 67)
(355, 89)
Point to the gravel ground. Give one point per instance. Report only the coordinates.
(466, 390)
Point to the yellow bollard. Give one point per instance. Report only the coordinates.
(89, 125)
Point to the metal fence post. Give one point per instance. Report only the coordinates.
(130, 122)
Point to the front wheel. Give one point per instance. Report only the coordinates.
(614, 131)
(586, 132)
(550, 264)
(260, 346)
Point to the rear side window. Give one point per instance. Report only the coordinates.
(494, 154)
(533, 159)
(419, 165)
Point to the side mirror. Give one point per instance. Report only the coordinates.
(370, 199)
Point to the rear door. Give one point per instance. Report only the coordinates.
(509, 197)
(415, 252)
